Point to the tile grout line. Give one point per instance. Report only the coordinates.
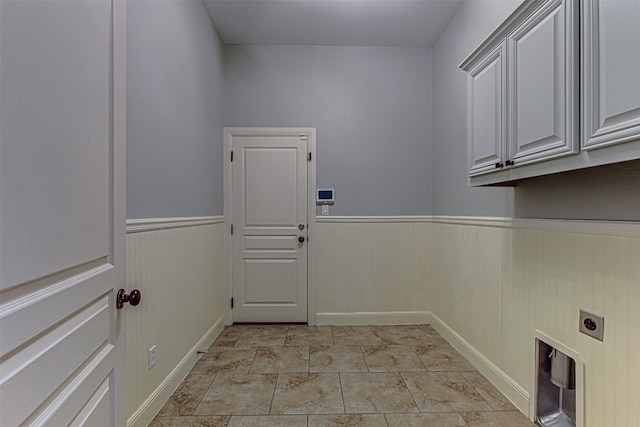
(415, 402)
(204, 394)
(477, 391)
(344, 404)
(426, 367)
(364, 358)
(404, 376)
(275, 386)
(273, 394)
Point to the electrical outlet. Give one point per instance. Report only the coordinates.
(591, 324)
(152, 356)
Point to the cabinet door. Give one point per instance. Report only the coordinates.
(543, 111)
(486, 119)
(611, 72)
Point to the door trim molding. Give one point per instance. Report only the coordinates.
(229, 132)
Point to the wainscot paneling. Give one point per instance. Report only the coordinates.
(487, 285)
(495, 283)
(178, 265)
(370, 270)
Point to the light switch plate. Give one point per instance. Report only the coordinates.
(591, 324)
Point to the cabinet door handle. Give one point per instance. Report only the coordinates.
(509, 163)
(499, 165)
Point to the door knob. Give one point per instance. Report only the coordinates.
(301, 239)
(123, 297)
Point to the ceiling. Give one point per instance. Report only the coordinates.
(405, 23)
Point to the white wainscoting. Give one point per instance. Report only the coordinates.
(371, 270)
(496, 285)
(178, 265)
(490, 283)
(486, 284)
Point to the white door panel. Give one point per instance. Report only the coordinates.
(611, 72)
(486, 112)
(268, 205)
(542, 84)
(62, 213)
(96, 411)
(55, 72)
(271, 185)
(259, 274)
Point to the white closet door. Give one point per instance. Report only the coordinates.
(269, 216)
(62, 213)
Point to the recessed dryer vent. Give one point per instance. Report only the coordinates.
(556, 387)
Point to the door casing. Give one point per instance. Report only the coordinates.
(229, 132)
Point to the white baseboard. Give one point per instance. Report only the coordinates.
(373, 318)
(507, 386)
(150, 408)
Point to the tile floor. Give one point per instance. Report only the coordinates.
(369, 376)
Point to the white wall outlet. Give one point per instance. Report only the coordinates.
(152, 356)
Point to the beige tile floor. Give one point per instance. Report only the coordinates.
(369, 376)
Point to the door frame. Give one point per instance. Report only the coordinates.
(230, 132)
(118, 192)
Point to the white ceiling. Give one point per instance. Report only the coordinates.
(406, 23)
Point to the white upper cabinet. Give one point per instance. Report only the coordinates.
(556, 87)
(611, 72)
(487, 112)
(542, 73)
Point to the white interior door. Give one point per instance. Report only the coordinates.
(61, 213)
(269, 213)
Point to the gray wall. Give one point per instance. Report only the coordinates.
(609, 192)
(473, 22)
(174, 110)
(371, 107)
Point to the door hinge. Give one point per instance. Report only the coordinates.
(232, 303)
(309, 157)
(232, 155)
(232, 229)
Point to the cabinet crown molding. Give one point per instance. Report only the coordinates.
(523, 11)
